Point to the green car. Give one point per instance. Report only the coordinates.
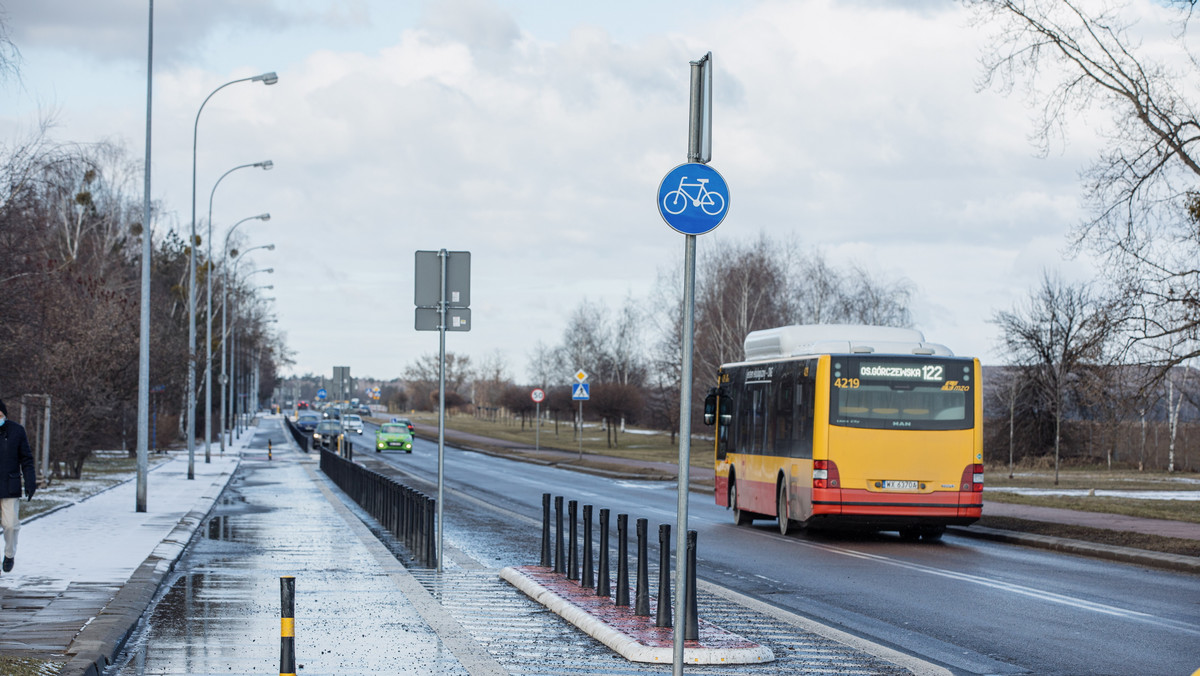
(393, 435)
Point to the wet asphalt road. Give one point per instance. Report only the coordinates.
(973, 606)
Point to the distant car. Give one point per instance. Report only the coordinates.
(352, 423)
(308, 421)
(364, 410)
(406, 422)
(393, 436)
(333, 413)
(302, 406)
(327, 433)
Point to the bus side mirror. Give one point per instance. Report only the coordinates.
(710, 408)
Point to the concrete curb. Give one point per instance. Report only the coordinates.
(622, 643)
(1186, 564)
(105, 635)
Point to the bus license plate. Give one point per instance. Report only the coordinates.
(899, 485)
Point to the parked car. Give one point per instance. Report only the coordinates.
(327, 433)
(352, 423)
(393, 436)
(308, 421)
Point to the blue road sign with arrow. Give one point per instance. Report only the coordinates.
(693, 198)
(321, 393)
(580, 391)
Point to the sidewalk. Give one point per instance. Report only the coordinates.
(357, 610)
(82, 576)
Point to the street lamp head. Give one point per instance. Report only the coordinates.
(265, 165)
(263, 217)
(268, 286)
(270, 247)
(266, 78)
(269, 271)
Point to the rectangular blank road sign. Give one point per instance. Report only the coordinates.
(457, 319)
(427, 290)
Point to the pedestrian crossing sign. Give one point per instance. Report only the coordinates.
(579, 391)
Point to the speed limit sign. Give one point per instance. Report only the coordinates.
(537, 395)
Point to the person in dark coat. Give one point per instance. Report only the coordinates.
(16, 462)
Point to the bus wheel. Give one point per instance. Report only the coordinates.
(933, 533)
(740, 516)
(911, 534)
(782, 510)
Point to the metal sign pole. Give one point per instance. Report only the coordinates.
(537, 421)
(442, 255)
(697, 152)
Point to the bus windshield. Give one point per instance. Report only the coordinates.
(901, 393)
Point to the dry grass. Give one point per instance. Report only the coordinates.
(16, 666)
(640, 445)
(1092, 477)
(1154, 543)
(1174, 510)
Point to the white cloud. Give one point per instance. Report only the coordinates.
(536, 140)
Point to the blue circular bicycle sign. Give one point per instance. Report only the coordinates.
(693, 198)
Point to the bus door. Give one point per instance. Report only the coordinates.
(756, 480)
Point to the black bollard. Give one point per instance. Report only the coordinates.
(572, 557)
(691, 622)
(546, 529)
(663, 618)
(588, 580)
(622, 560)
(602, 582)
(558, 535)
(287, 626)
(641, 595)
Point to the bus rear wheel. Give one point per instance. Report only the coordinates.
(740, 516)
(784, 513)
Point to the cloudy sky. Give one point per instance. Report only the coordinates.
(534, 135)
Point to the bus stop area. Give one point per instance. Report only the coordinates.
(87, 573)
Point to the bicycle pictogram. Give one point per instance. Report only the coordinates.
(678, 199)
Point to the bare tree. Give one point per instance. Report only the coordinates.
(423, 375)
(1055, 333)
(10, 56)
(1145, 207)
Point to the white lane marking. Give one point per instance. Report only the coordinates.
(1023, 590)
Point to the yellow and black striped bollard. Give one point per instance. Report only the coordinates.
(287, 628)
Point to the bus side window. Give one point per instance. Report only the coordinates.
(758, 419)
(742, 435)
(784, 420)
(805, 393)
(725, 424)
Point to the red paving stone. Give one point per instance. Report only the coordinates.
(622, 619)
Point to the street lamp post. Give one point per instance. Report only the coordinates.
(224, 313)
(266, 78)
(233, 370)
(266, 166)
(143, 440)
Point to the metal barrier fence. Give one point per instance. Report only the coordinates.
(303, 439)
(407, 514)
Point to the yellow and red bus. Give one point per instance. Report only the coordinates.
(849, 426)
